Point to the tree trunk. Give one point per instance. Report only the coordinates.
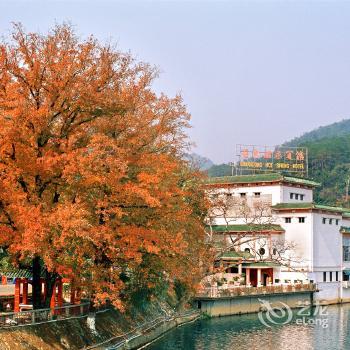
(36, 288)
(50, 279)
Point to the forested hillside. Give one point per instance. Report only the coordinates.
(329, 161)
(333, 130)
(220, 170)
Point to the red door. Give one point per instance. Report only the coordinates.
(253, 277)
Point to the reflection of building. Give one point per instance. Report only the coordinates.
(292, 241)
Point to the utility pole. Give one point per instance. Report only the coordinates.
(232, 167)
(347, 189)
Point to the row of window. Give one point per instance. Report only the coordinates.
(332, 277)
(297, 196)
(330, 221)
(262, 251)
(255, 194)
(242, 195)
(301, 220)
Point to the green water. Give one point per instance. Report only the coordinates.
(328, 330)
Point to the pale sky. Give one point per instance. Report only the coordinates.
(252, 72)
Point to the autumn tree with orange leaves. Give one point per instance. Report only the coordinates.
(92, 183)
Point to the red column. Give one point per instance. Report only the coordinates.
(53, 297)
(60, 293)
(25, 291)
(3, 280)
(17, 295)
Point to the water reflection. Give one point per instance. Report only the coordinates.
(247, 333)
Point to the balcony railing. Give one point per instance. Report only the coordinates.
(224, 292)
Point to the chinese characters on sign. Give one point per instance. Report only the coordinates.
(265, 158)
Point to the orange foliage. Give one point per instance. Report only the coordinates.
(91, 176)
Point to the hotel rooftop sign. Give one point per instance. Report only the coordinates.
(272, 158)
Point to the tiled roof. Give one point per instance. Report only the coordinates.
(269, 177)
(227, 255)
(293, 206)
(301, 181)
(296, 206)
(338, 209)
(16, 273)
(261, 263)
(246, 228)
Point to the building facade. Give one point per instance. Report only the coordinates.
(272, 232)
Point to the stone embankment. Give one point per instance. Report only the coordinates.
(107, 329)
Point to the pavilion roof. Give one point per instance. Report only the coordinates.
(261, 264)
(15, 273)
(236, 255)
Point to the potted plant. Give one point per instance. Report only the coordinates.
(236, 280)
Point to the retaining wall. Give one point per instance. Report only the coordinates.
(225, 306)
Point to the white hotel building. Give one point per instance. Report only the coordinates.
(320, 234)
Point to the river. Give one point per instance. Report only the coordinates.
(326, 328)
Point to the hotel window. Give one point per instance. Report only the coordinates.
(346, 249)
(324, 276)
(336, 276)
(257, 194)
(337, 222)
(274, 251)
(345, 275)
(262, 251)
(288, 220)
(229, 195)
(330, 276)
(330, 221)
(247, 250)
(296, 196)
(243, 195)
(324, 220)
(301, 220)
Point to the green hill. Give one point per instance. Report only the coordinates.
(329, 164)
(329, 161)
(341, 128)
(220, 170)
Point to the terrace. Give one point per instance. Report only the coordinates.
(215, 292)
